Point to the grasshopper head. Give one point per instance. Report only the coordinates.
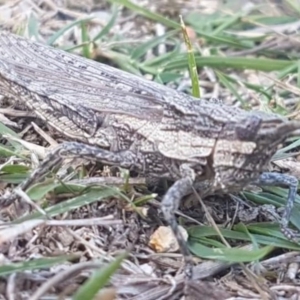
(245, 148)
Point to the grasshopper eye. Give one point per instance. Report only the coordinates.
(248, 128)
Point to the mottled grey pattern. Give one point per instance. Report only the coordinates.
(121, 119)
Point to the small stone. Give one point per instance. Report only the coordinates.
(163, 239)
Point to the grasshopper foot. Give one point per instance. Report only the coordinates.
(292, 183)
(290, 234)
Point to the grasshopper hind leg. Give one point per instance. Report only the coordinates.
(124, 159)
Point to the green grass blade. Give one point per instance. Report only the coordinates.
(191, 62)
(51, 40)
(98, 280)
(146, 13)
(34, 264)
(106, 29)
(239, 63)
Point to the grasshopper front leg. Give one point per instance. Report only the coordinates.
(272, 178)
(169, 206)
